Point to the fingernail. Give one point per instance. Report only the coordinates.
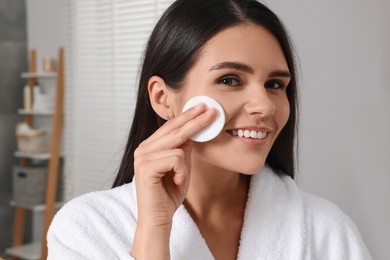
(210, 111)
(198, 106)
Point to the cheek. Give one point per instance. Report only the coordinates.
(184, 94)
(283, 112)
(176, 102)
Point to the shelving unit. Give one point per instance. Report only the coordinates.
(35, 113)
(30, 251)
(38, 250)
(33, 156)
(42, 75)
(35, 208)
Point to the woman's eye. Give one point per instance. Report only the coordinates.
(272, 84)
(229, 81)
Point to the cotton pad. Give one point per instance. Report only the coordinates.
(215, 127)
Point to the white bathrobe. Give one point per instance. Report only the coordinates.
(280, 222)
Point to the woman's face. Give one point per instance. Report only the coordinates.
(244, 69)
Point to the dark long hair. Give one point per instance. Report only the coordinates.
(172, 50)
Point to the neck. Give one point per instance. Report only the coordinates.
(215, 192)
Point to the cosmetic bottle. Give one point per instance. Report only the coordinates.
(27, 97)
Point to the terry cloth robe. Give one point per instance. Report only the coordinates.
(280, 222)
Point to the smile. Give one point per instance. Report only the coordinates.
(248, 133)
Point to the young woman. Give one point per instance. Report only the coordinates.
(229, 198)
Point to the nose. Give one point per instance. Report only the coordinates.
(260, 103)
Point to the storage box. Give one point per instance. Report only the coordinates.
(29, 185)
(33, 143)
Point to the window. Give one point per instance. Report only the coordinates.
(105, 42)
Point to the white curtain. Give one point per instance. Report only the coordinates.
(105, 42)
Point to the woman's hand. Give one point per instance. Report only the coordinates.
(162, 166)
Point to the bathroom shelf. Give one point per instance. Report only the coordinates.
(36, 208)
(31, 251)
(30, 75)
(34, 156)
(35, 113)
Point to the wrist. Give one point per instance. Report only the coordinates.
(151, 236)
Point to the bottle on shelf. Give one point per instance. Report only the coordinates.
(27, 98)
(43, 102)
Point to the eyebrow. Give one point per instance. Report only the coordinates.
(233, 65)
(248, 69)
(280, 73)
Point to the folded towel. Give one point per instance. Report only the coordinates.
(280, 222)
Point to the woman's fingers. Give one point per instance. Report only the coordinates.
(177, 131)
(153, 156)
(161, 164)
(180, 120)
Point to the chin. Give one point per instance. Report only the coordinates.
(252, 169)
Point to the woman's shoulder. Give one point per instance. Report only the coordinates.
(115, 205)
(104, 201)
(321, 209)
(331, 229)
(327, 230)
(102, 222)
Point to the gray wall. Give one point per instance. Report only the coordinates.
(13, 51)
(46, 30)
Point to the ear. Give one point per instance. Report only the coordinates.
(159, 97)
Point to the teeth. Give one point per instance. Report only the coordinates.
(253, 134)
(249, 133)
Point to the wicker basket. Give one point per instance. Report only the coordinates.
(34, 142)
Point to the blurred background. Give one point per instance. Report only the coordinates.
(344, 62)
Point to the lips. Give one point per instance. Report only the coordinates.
(246, 133)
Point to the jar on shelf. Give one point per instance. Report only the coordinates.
(49, 64)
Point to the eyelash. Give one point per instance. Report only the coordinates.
(280, 83)
(227, 80)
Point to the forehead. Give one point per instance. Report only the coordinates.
(246, 43)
